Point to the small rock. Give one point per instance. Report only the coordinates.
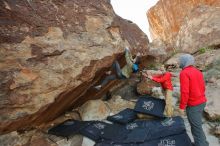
(41, 141)
(174, 60)
(87, 142)
(75, 140)
(217, 131)
(157, 92)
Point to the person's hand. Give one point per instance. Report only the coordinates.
(150, 77)
(144, 74)
(127, 49)
(181, 112)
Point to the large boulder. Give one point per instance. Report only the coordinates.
(117, 104)
(28, 138)
(146, 86)
(173, 60)
(200, 30)
(158, 47)
(51, 53)
(212, 109)
(167, 17)
(212, 74)
(207, 60)
(212, 91)
(13, 138)
(94, 110)
(127, 89)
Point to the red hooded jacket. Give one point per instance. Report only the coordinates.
(164, 80)
(192, 87)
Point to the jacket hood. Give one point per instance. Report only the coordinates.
(186, 60)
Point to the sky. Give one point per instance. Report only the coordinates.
(135, 11)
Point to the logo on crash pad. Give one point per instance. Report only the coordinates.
(131, 126)
(149, 105)
(118, 116)
(167, 142)
(99, 126)
(168, 123)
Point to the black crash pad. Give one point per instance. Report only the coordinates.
(174, 140)
(68, 128)
(123, 117)
(94, 130)
(106, 143)
(142, 130)
(151, 106)
(157, 128)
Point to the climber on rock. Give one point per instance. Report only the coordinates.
(165, 80)
(124, 73)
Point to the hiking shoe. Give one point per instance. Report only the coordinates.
(98, 87)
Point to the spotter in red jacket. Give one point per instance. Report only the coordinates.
(192, 87)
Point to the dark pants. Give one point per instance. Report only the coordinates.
(194, 115)
(116, 67)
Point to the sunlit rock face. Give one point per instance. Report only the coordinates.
(167, 17)
(200, 30)
(213, 107)
(51, 53)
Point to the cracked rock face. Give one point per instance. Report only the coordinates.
(167, 18)
(213, 107)
(200, 30)
(52, 52)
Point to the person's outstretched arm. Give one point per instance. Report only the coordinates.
(128, 57)
(161, 78)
